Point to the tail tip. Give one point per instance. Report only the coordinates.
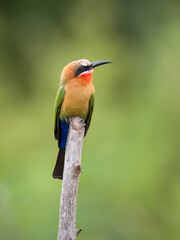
(56, 176)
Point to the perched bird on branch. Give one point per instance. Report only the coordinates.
(75, 97)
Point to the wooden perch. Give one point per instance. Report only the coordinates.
(72, 170)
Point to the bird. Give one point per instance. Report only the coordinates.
(75, 97)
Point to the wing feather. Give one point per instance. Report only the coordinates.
(88, 119)
(57, 109)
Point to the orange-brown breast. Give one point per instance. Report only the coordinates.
(76, 100)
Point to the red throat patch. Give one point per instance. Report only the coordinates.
(87, 76)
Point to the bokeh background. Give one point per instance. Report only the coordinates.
(129, 189)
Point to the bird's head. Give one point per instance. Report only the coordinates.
(80, 69)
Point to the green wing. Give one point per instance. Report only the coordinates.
(88, 119)
(57, 109)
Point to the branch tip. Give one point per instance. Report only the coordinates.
(78, 231)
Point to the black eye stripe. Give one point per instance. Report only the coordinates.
(81, 69)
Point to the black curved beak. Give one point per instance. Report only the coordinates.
(98, 63)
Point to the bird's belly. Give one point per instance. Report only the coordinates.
(76, 103)
(76, 108)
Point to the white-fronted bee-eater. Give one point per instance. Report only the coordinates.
(75, 97)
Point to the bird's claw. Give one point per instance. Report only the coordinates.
(77, 123)
(67, 120)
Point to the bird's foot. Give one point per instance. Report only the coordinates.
(77, 123)
(67, 120)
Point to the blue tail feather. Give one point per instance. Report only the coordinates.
(64, 133)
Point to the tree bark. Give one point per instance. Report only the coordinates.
(72, 170)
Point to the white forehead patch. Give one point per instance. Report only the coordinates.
(85, 63)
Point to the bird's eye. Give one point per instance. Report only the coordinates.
(81, 69)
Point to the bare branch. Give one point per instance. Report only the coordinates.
(72, 170)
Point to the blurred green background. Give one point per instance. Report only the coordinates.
(129, 189)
